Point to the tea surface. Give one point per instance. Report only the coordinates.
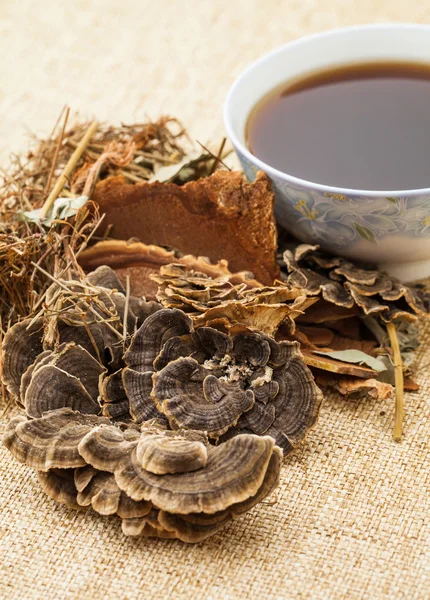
(362, 126)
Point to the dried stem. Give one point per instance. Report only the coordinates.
(73, 161)
(127, 302)
(398, 380)
(218, 157)
(57, 150)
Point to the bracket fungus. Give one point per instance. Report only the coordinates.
(210, 299)
(179, 434)
(139, 261)
(342, 283)
(204, 379)
(183, 488)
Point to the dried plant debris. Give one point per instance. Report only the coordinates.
(342, 283)
(137, 152)
(208, 299)
(139, 261)
(354, 387)
(160, 483)
(221, 217)
(355, 307)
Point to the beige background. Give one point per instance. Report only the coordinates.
(351, 518)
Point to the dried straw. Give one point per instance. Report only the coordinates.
(74, 157)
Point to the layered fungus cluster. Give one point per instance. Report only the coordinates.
(222, 300)
(348, 286)
(136, 411)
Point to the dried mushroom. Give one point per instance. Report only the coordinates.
(66, 378)
(183, 488)
(162, 434)
(344, 284)
(50, 442)
(58, 359)
(21, 346)
(112, 398)
(100, 490)
(139, 261)
(221, 217)
(216, 299)
(59, 484)
(204, 379)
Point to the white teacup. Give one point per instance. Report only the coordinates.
(390, 228)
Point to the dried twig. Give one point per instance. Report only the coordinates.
(398, 380)
(127, 302)
(73, 161)
(57, 150)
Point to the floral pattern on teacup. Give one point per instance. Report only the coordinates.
(342, 220)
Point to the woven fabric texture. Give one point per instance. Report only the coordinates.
(351, 516)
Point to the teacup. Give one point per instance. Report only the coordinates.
(389, 228)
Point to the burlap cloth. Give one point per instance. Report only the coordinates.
(351, 516)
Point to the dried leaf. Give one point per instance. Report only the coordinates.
(63, 208)
(170, 172)
(326, 363)
(356, 357)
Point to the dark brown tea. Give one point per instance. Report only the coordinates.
(363, 126)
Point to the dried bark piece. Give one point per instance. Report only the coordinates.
(324, 311)
(21, 345)
(184, 217)
(317, 336)
(339, 342)
(59, 485)
(50, 442)
(349, 328)
(368, 387)
(336, 366)
(353, 386)
(234, 472)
